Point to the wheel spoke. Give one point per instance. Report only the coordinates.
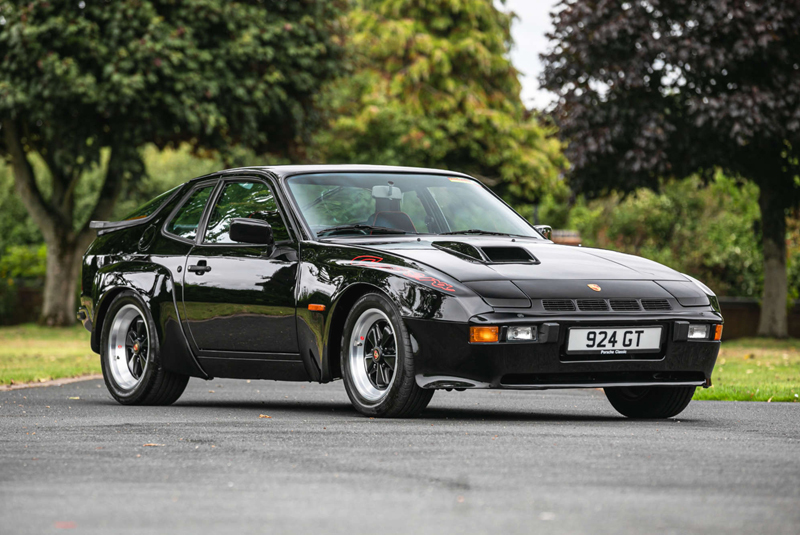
(387, 335)
(142, 363)
(374, 373)
(389, 361)
(386, 374)
(140, 330)
(372, 336)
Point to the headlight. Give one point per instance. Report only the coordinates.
(515, 334)
(698, 332)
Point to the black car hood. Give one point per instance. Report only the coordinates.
(550, 261)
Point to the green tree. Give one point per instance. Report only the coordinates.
(655, 88)
(85, 85)
(432, 85)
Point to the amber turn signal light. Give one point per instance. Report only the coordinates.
(317, 308)
(718, 333)
(484, 334)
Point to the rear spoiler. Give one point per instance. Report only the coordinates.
(104, 227)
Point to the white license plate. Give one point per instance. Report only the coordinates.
(614, 341)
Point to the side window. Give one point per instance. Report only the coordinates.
(244, 199)
(186, 221)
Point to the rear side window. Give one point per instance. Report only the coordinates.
(187, 218)
(244, 199)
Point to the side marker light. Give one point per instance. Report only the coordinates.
(718, 333)
(317, 308)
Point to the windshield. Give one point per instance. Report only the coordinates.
(344, 204)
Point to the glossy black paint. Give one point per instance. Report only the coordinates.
(242, 310)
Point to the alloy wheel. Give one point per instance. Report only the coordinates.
(373, 354)
(128, 347)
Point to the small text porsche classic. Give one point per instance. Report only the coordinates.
(399, 281)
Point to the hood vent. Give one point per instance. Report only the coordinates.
(489, 254)
(509, 255)
(460, 249)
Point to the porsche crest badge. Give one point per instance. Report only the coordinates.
(594, 287)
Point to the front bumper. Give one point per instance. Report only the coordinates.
(444, 358)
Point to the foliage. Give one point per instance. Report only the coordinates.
(432, 85)
(16, 227)
(84, 86)
(650, 89)
(23, 262)
(710, 233)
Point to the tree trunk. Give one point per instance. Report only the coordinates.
(55, 218)
(773, 321)
(60, 286)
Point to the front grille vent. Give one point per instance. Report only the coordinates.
(605, 305)
(656, 304)
(592, 305)
(624, 305)
(558, 305)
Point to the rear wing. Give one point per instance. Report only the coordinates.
(102, 227)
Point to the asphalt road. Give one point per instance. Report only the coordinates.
(500, 462)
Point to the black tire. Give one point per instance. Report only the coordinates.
(403, 398)
(652, 402)
(155, 386)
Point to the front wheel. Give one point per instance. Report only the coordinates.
(129, 356)
(377, 361)
(650, 401)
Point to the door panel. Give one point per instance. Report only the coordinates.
(239, 297)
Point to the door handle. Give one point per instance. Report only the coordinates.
(200, 267)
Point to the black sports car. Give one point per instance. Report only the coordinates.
(399, 281)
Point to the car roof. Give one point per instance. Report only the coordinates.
(284, 171)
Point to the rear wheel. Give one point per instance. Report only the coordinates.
(650, 401)
(377, 361)
(130, 354)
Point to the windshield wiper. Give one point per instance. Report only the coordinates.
(477, 231)
(360, 226)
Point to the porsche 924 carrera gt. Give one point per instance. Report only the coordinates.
(399, 281)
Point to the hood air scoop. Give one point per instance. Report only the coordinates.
(488, 255)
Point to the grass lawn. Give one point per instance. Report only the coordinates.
(756, 369)
(31, 353)
(751, 369)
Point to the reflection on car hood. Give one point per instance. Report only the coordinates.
(551, 261)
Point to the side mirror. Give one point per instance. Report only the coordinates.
(545, 230)
(253, 231)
